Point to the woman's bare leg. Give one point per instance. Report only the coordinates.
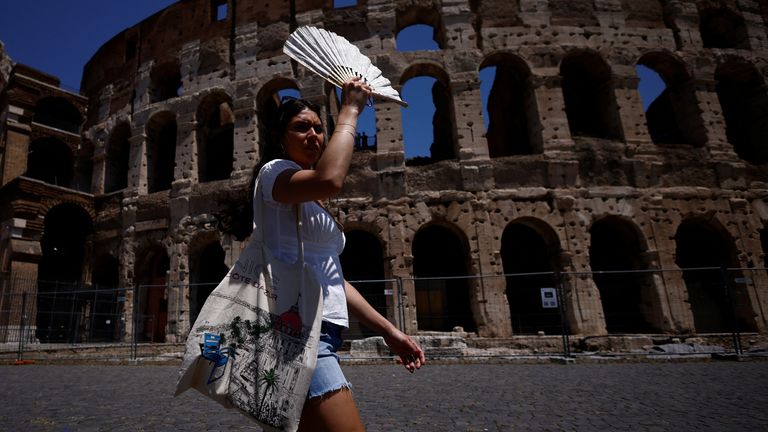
(332, 412)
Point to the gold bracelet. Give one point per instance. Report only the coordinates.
(344, 130)
(348, 124)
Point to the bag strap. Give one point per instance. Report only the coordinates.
(258, 218)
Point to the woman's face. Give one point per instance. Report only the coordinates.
(304, 139)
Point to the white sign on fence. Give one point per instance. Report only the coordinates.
(548, 298)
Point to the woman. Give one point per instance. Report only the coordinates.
(307, 171)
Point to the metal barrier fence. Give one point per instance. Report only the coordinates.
(39, 316)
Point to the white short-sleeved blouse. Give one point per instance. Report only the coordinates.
(323, 240)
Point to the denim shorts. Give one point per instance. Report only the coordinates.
(328, 376)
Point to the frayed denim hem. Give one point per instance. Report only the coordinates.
(328, 393)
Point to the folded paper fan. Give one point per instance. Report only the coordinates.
(337, 60)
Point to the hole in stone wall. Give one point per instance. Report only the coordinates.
(668, 94)
(590, 102)
(50, 160)
(628, 299)
(524, 251)
(417, 37)
(58, 113)
(441, 303)
(338, 4)
(118, 158)
(366, 138)
(363, 262)
(165, 81)
(60, 271)
(700, 245)
(723, 28)
(219, 10)
(161, 151)
(741, 91)
(215, 137)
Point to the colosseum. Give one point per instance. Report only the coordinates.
(645, 222)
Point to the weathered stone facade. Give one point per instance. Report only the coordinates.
(569, 157)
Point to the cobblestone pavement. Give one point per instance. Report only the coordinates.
(698, 396)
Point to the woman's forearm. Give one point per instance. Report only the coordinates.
(365, 313)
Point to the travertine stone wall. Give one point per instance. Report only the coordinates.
(560, 189)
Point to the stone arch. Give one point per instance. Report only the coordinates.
(215, 137)
(627, 293)
(513, 124)
(744, 101)
(588, 90)
(444, 142)
(50, 160)
(161, 132)
(674, 117)
(60, 305)
(363, 262)
(165, 81)
(117, 160)
(722, 27)
(267, 103)
(84, 167)
(58, 113)
(410, 13)
(440, 259)
(106, 309)
(206, 269)
(151, 270)
(530, 254)
(703, 248)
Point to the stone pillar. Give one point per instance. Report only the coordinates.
(493, 315)
(556, 134)
(401, 267)
(99, 163)
(178, 283)
(457, 21)
(137, 165)
(16, 149)
(632, 117)
(389, 161)
(246, 133)
(185, 172)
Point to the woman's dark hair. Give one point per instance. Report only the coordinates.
(289, 108)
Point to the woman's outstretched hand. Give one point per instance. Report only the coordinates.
(409, 352)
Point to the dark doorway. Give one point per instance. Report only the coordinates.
(151, 295)
(106, 311)
(363, 262)
(215, 138)
(207, 271)
(626, 296)
(61, 300)
(700, 246)
(442, 295)
(161, 151)
(524, 251)
(51, 161)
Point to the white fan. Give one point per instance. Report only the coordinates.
(336, 60)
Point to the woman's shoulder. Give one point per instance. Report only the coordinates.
(277, 166)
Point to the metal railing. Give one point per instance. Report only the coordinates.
(713, 307)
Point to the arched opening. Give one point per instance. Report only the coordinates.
(425, 145)
(442, 295)
(268, 101)
(363, 263)
(58, 113)
(83, 167)
(118, 158)
(764, 243)
(50, 160)
(150, 294)
(673, 116)
(161, 151)
(721, 27)
(511, 114)
(524, 251)
(590, 102)
(106, 310)
(165, 81)
(61, 305)
(417, 37)
(206, 270)
(215, 137)
(700, 245)
(628, 298)
(743, 98)
(366, 138)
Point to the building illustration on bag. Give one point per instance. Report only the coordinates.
(270, 359)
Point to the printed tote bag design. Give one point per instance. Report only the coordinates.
(254, 345)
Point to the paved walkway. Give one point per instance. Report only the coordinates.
(700, 396)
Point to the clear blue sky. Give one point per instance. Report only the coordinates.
(60, 36)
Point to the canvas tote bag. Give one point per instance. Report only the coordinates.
(254, 345)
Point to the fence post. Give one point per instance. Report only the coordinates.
(561, 309)
(22, 323)
(735, 333)
(135, 319)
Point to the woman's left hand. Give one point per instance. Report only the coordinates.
(409, 352)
